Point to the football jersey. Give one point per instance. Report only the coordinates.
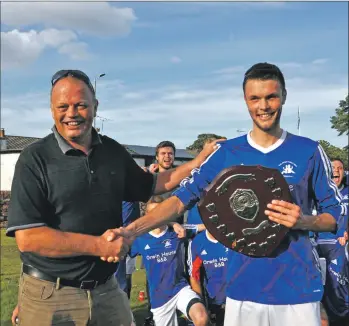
(194, 216)
(164, 264)
(342, 223)
(292, 276)
(130, 212)
(336, 295)
(213, 256)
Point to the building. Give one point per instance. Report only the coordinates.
(11, 147)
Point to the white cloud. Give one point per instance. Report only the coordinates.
(55, 38)
(76, 50)
(144, 115)
(19, 49)
(98, 18)
(176, 59)
(320, 61)
(22, 48)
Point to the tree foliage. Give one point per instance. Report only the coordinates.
(200, 141)
(340, 121)
(335, 152)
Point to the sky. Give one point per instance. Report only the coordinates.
(174, 70)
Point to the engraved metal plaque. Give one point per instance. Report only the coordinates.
(233, 209)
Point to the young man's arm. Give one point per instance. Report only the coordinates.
(327, 196)
(196, 286)
(194, 266)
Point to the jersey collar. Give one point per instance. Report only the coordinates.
(160, 234)
(214, 241)
(266, 150)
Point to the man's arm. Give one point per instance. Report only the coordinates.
(319, 223)
(327, 196)
(164, 213)
(196, 286)
(48, 242)
(194, 267)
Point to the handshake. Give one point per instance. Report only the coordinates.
(114, 244)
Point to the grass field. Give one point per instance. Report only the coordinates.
(10, 269)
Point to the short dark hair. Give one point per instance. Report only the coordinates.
(165, 143)
(264, 71)
(338, 159)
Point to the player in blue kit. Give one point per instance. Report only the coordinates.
(162, 253)
(285, 290)
(209, 257)
(336, 294)
(338, 177)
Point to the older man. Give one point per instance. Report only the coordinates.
(67, 192)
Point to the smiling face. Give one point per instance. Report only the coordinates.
(73, 107)
(264, 99)
(165, 157)
(338, 172)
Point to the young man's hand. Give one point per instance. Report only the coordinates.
(343, 240)
(179, 229)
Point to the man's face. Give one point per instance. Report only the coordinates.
(338, 172)
(264, 99)
(165, 157)
(73, 108)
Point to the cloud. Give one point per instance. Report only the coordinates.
(176, 59)
(75, 50)
(319, 61)
(145, 115)
(94, 18)
(22, 48)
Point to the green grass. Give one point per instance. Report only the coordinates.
(10, 269)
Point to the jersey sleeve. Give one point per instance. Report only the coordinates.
(328, 197)
(194, 260)
(191, 189)
(28, 205)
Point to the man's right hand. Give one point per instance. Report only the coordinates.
(115, 245)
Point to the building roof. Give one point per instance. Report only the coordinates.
(18, 143)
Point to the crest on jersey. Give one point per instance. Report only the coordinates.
(288, 169)
(167, 243)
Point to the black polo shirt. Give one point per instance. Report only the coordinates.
(60, 187)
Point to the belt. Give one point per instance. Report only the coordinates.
(84, 285)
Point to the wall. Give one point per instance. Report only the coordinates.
(7, 169)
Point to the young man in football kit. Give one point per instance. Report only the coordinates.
(285, 290)
(162, 253)
(208, 267)
(336, 294)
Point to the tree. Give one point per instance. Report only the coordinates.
(199, 143)
(340, 121)
(335, 152)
